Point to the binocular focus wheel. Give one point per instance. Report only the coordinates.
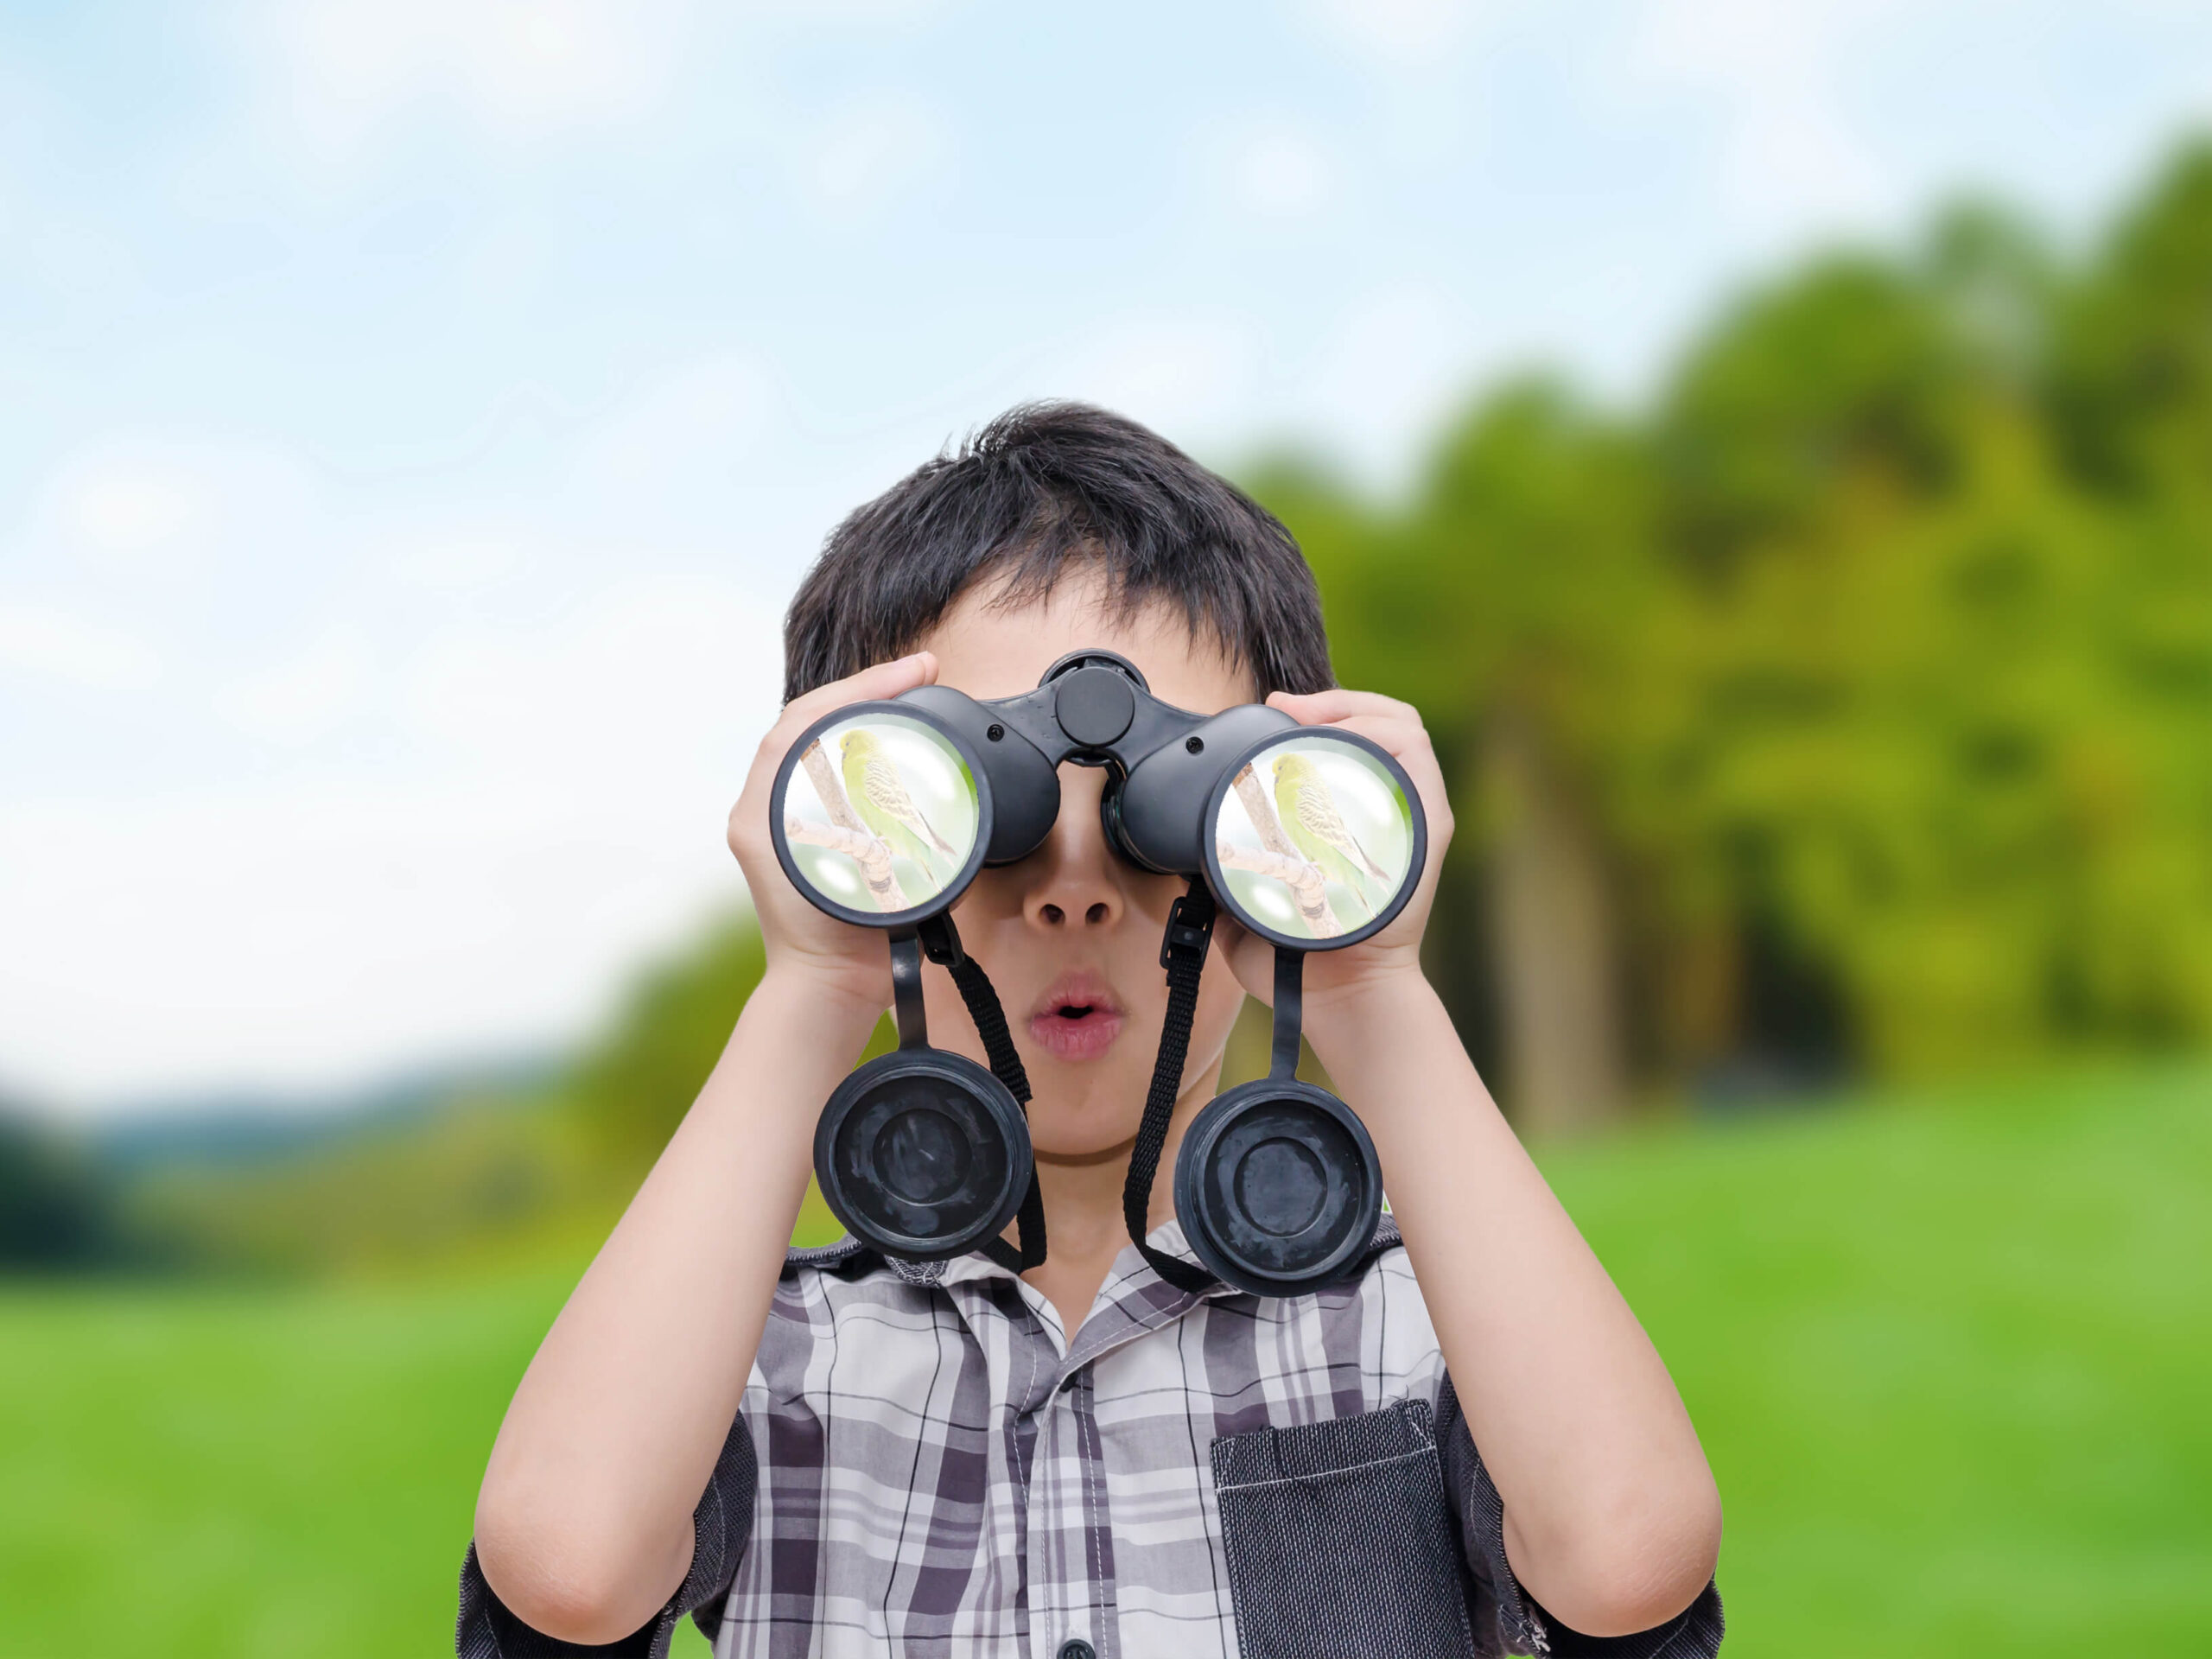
(1278, 1188)
(922, 1154)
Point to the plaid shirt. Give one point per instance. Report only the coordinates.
(925, 1462)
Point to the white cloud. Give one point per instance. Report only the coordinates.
(1280, 172)
(129, 513)
(161, 507)
(873, 151)
(1792, 156)
(48, 641)
(1408, 32)
(555, 813)
(698, 423)
(644, 686)
(492, 745)
(334, 71)
(305, 936)
(307, 695)
(1188, 372)
(1386, 373)
(454, 559)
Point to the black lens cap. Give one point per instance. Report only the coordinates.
(1278, 1188)
(922, 1154)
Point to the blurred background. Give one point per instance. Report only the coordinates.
(1772, 443)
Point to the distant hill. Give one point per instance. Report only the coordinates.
(248, 1127)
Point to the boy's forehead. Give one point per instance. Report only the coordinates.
(988, 647)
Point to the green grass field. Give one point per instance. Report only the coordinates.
(1948, 1355)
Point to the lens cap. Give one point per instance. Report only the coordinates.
(922, 1154)
(1278, 1188)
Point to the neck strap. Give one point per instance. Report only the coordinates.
(1290, 999)
(940, 942)
(1183, 953)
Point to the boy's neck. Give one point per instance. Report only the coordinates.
(1083, 1225)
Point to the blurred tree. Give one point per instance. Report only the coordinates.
(1853, 707)
(1512, 602)
(56, 1213)
(631, 1088)
(635, 1085)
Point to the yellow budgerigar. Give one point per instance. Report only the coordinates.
(1317, 828)
(879, 796)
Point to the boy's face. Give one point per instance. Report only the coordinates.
(1070, 935)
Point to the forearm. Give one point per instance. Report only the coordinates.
(1611, 1517)
(583, 1525)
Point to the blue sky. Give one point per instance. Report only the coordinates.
(414, 413)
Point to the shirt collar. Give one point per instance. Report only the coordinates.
(1131, 1275)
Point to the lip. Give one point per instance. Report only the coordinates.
(1083, 1037)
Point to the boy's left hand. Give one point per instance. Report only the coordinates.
(1390, 960)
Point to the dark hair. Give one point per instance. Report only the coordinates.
(1042, 487)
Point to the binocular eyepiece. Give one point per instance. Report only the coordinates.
(1310, 837)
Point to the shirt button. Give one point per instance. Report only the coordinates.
(1075, 1647)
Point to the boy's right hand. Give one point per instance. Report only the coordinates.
(840, 961)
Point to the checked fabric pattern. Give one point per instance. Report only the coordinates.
(924, 1463)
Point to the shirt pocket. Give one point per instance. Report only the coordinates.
(1338, 1540)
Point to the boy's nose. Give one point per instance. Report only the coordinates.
(1078, 878)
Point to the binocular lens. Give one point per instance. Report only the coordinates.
(922, 1154)
(1315, 839)
(1277, 1186)
(880, 815)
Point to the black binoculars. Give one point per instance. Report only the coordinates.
(1310, 837)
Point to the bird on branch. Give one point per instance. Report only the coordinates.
(879, 796)
(1318, 829)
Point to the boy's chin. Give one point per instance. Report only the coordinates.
(1077, 1138)
(1075, 1156)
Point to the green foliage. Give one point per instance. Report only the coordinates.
(637, 1083)
(633, 1087)
(56, 1215)
(1945, 1352)
(1877, 652)
(479, 1177)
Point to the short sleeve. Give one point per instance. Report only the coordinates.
(721, 1526)
(1507, 1619)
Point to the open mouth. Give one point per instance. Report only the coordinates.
(1076, 1019)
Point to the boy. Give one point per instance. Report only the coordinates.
(828, 1452)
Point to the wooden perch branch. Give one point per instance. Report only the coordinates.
(1307, 884)
(1261, 812)
(846, 834)
(1280, 859)
(831, 791)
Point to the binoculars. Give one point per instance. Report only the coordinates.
(1310, 837)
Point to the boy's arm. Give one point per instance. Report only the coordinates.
(1612, 1520)
(584, 1521)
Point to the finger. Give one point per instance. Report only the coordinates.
(1400, 738)
(1338, 704)
(882, 681)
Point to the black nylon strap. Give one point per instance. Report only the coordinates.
(1290, 1008)
(941, 944)
(1189, 930)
